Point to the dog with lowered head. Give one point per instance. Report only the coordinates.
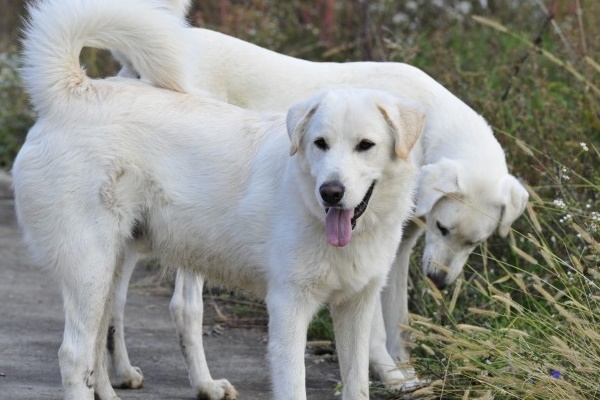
(465, 192)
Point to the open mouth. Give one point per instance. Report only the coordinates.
(340, 223)
(362, 206)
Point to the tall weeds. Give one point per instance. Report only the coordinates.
(523, 324)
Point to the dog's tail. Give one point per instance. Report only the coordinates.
(181, 7)
(147, 32)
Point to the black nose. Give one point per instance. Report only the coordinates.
(332, 192)
(439, 279)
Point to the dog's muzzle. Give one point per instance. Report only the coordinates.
(361, 207)
(340, 222)
(332, 192)
(439, 279)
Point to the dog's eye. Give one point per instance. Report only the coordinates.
(321, 144)
(443, 230)
(364, 145)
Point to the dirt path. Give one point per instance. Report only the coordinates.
(31, 324)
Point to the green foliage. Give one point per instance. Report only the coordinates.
(321, 327)
(15, 113)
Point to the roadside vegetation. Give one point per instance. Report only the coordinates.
(522, 323)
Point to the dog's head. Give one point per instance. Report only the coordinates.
(346, 141)
(462, 208)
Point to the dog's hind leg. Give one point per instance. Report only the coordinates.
(123, 374)
(86, 279)
(187, 312)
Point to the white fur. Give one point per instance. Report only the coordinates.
(488, 198)
(211, 188)
(247, 75)
(471, 199)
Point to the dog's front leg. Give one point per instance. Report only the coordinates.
(187, 312)
(351, 324)
(394, 298)
(124, 375)
(380, 360)
(402, 377)
(103, 388)
(290, 312)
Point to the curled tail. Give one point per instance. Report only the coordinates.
(147, 32)
(181, 7)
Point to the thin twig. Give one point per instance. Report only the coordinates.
(558, 31)
(538, 44)
(581, 30)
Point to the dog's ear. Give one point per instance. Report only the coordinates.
(514, 200)
(436, 181)
(406, 125)
(297, 119)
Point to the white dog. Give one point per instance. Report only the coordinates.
(465, 191)
(301, 219)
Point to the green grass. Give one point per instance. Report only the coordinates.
(15, 114)
(321, 327)
(522, 323)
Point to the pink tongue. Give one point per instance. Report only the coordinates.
(338, 226)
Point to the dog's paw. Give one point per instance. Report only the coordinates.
(413, 384)
(219, 389)
(99, 397)
(130, 379)
(403, 380)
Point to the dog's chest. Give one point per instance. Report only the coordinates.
(339, 273)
